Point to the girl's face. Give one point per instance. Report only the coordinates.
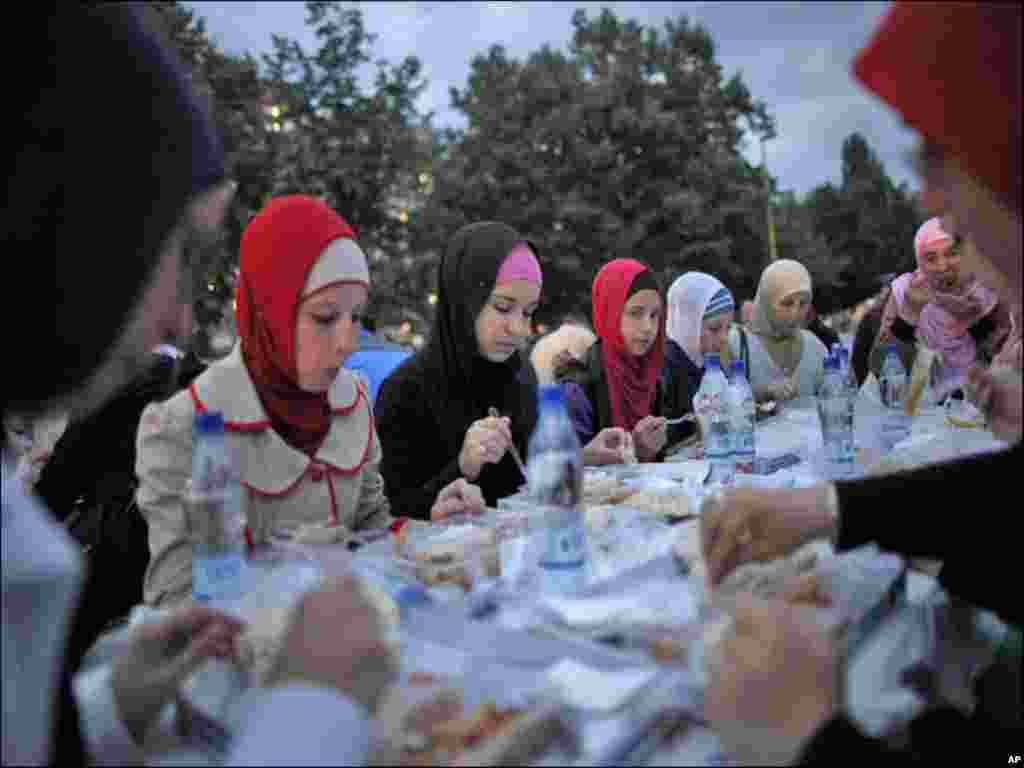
(327, 332)
(714, 331)
(941, 264)
(503, 325)
(791, 310)
(641, 318)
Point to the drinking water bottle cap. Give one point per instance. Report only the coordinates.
(552, 394)
(739, 367)
(209, 422)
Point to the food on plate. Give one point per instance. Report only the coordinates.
(605, 490)
(443, 741)
(675, 506)
(439, 554)
(256, 649)
(324, 532)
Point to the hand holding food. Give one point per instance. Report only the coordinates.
(747, 525)
(458, 498)
(776, 680)
(917, 296)
(609, 446)
(486, 442)
(336, 639)
(649, 436)
(996, 392)
(161, 656)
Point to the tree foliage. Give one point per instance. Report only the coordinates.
(628, 145)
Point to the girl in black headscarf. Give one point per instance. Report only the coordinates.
(433, 411)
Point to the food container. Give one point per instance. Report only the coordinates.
(459, 550)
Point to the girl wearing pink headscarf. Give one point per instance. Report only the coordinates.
(944, 309)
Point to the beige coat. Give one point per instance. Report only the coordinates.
(285, 487)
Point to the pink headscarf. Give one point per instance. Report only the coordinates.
(945, 319)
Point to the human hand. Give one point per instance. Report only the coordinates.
(486, 442)
(781, 390)
(649, 436)
(459, 497)
(336, 639)
(161, 655)
(916, 297)
(747, 525)
(609, 446)
(996, 392)
(774, 680)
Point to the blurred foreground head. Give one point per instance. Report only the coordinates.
(114, 169)
(967, 109)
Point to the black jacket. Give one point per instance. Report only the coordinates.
(680, 380)
(93, 468)
(421, 443)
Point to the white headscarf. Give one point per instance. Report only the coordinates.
(687, 302)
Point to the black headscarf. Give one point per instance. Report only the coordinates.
(108, 159)
(107, 152)
(468, 383)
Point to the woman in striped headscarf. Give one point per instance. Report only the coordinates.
(700, 313)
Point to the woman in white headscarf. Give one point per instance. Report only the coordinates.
(700, 313)
(786, 360)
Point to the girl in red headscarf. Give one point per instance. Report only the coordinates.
(298, 425)
(613, 393)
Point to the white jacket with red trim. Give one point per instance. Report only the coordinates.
(285, 486)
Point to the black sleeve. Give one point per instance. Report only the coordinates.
(903, 330)
(840, 742)
(957, 512)
(412, 470)
(983, 328)
(863, 341)
(931, 739)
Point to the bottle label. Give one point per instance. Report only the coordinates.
(564, 540)
(556, 478)
(217, 577)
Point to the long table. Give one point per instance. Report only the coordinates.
(493, 658)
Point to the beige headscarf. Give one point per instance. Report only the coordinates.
(572, 339)
(784, 345)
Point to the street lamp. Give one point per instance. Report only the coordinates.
(772, 248)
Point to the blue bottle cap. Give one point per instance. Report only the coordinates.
(712, 360)
(739, 367)
(552, 394)
(209, 422)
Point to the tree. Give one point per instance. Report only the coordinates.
(864, 228)
(232, 91)
(629, 145)
(363, 152)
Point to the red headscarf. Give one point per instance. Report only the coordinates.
(279, 248)
(631, 380)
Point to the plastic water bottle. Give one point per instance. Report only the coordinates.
(744, 418)
(215, 514)
(555, 470)
(711, 404)
(892, 387)
(835, 411)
